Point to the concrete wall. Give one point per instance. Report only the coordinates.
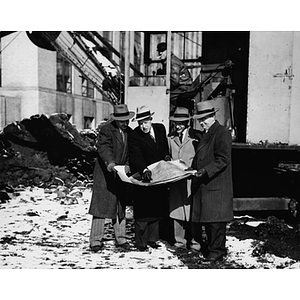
(11, 104)
(29, 77)
(19, 56)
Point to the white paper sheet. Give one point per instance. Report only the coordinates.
(178, 164)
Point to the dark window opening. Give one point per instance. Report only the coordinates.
(88, 122)
(63, 75)
(87, 88)
(219, 46)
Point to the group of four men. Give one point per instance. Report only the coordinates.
(205, 199)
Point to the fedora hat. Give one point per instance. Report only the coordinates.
(204, 109)
(161, 47)
(142, 113)
(180, 114)
(121, 113)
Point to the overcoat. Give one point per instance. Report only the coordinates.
(180, 191)
(143, 151)
(213, 195)
(109, 192)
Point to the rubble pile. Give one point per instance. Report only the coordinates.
(44, 150)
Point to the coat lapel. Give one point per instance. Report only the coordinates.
(147, 140)
(206, 137)
(186, 139)
(118, 135)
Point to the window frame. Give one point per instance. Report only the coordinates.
(63, 74)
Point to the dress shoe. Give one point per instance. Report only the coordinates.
(213, 259)
(141, 248)
(96, 248)
(153, 245)
(194, 252)
(177, 249)
(124, 246)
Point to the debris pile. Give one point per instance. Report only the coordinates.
(44, 149)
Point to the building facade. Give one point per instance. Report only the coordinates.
(38, 81)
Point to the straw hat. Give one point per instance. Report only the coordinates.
(142, 113)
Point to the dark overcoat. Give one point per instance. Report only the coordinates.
(143, 151)
(213, 195)
(109, 192)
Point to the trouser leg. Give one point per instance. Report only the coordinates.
(141, 233)
(180, 233)
(196, 236)
(119, 230)
(216, 234)
(153, 231)
(97, 231)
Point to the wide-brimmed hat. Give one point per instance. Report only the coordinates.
(204, 109)
(161, 47)
(180, 114)
(121, 113)
(142, 113)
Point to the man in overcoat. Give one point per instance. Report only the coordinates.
(109, 192)
(147, 145)
(182, 142)
(212, 185)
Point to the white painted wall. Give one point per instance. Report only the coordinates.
(273, 96)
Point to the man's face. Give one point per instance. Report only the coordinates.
(206, 122)
(145, 125)
(180, 126)
(122, 124)
(162, 55)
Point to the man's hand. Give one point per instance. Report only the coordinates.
(111, 167)
(189, 169)
(200, 173)
(147, 176)
(127, 169)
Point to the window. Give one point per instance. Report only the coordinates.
(64, 74)
(87, 88)
(88, 122)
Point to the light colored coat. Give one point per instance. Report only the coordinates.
(180, 191)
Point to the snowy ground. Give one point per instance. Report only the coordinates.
(49, 229)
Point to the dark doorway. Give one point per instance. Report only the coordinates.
(219, 46)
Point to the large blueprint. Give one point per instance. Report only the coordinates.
(162, 172)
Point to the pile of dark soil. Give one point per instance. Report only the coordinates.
(43, 149)
(273, 236)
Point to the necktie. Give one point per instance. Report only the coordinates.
(152, 137)
(180, 138)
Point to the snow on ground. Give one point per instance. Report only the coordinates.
(47, 229)
(38, 231)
